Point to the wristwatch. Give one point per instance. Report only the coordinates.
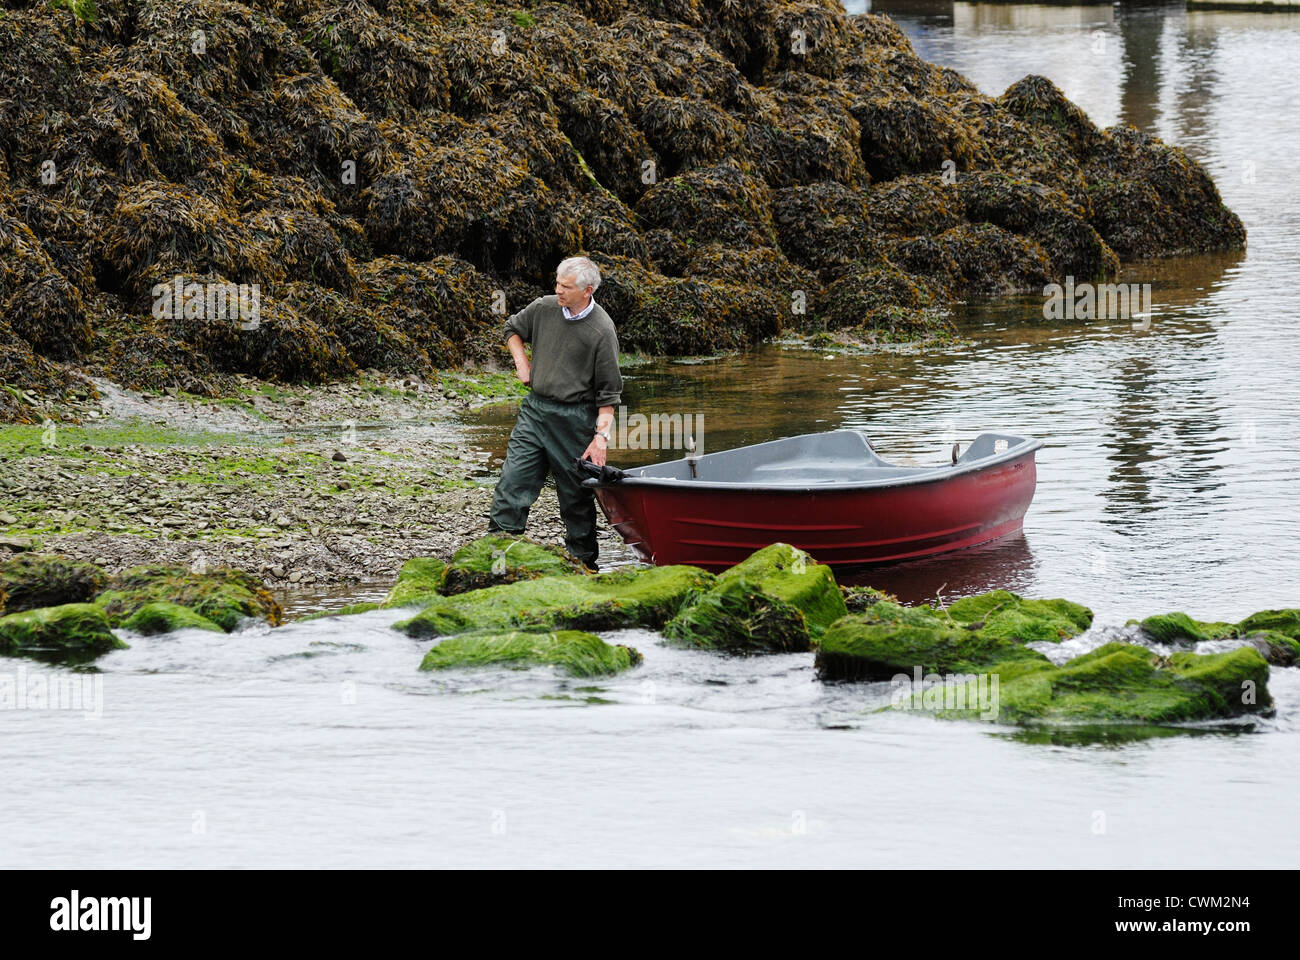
(603, 433)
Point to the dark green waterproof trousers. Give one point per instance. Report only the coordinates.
(547, 438)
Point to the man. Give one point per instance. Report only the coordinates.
(568, 413)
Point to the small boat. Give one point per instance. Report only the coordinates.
(829, 494)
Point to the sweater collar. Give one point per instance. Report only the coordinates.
(578, 316)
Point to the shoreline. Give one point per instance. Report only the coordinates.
(305, 486)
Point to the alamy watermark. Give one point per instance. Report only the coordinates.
(658, 431)
(33, 690)
(208, 301)
(1091, 301)
(977, 692)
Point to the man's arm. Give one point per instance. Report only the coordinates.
(518, 330)
(609, 387)
(595, 451)
(522, 368)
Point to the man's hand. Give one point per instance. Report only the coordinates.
(524, 371)
(595, 451)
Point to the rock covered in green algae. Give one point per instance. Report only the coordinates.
(1128, 683)
(626, 598)
(70, 628)
(164, 617)
(500, 558)
(33, 580)
(1274, 633)
(1180, 628)
(224, 596)
(788, 573)
(776, 600)
(888, 639)
(1001, 613)
(419, 583)
(1285, 622)
(738, 616)
(578, 653)
(857, 599)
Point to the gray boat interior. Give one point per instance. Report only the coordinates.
(837, 458)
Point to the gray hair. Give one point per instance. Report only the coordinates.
(584, 272)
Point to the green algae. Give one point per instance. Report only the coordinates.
(888, 639)
(501, 558)
(1180, 628)
(576, 652)
(1286, 622)
(738, 616)
(777, 600)
(164, 617)
(30, 581)
(71, 628)
(1128, 683)
(418, 583)
(628, 598)
(789, 574)
(1274, 633)
(223, 596)
(1003, 614)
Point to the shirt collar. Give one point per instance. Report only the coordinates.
(578, 316)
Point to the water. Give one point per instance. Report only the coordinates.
(1165, 484)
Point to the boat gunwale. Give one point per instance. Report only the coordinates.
(1026, 446)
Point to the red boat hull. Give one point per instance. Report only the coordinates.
(715, 529)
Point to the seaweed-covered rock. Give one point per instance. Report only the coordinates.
(1126, 683)
(164, 617)
(881, 298)
(501, 558)
(974, 633)
(630, 598)
(443, 305)
(419, 583)
(1274, 633)
(822, 224)
(904, 134)
(574, 652)
(1285, 621)
(790, 574)
(858, 598)
(1043, 215)
(924, 204)
(384, 170)
(886, 640)
(981, 259)
(739, 616)
(1150, 199)
(1003, 614)
(797, 138)
(223, 596)
(73, 629)
(1180, 628)
(722, 203)
(32, 580)
(1038, 101)
(690, 315)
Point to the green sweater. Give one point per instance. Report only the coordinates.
(574, 361)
